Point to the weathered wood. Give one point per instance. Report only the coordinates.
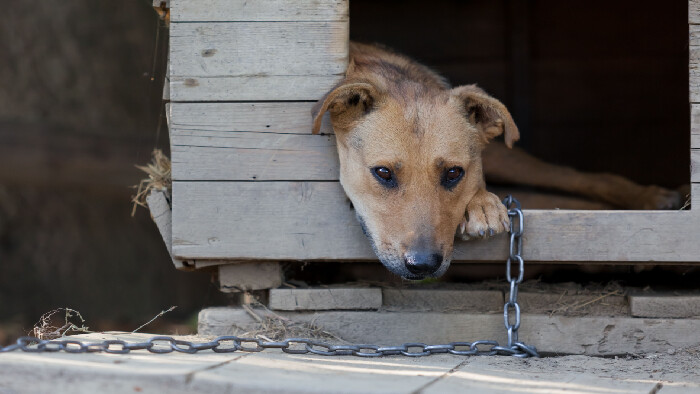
(258, 11)
(694, 74)
(217, 155)
(166, 84)
(251, 88)
(250, 141)
(161, 214)
(695, 165)
(695, 126)
(438, 300)
(573, 304)
(557, 334)
(325, 299)
(256, 60)
(693, 11)
(314, 221)
(282, 118)
(670, 306)
(243, 276)
(695, 197)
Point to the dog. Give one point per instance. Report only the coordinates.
(413, 152)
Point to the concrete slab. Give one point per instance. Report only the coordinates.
(274, 371)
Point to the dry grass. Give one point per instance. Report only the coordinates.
(47, 328)
(273, 327)
(158, 171)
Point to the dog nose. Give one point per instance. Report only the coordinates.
(420, 263)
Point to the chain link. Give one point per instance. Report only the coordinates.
(229, 344)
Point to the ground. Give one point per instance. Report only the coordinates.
(274, 371)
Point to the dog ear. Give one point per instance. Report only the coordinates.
(488, 114)
(346, 103)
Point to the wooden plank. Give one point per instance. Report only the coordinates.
(440, 300)
(695, 126)
(573, 304)
(695, 197)
(670, 306)
(693, 11)
(331, 298)
(162, 216)
(602, 335)
(695, 165)
(256, 60)
(249, 141)
(251, 88)
(314, 221)
(259, 11)
(694, 73)
(244, 276)
(282, 118)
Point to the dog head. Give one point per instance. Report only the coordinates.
(410, 162)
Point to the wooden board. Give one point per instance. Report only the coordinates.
(249, 141)
(244, 276)
(695, 126)
(600, 335)
(695, 165)
(314, 221)
(332, 298)
(258, 11)
(256, 60)
(671, 306)
(694, 74)
(693, 11)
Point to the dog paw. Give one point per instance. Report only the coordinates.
(656, 197)
(486, 216)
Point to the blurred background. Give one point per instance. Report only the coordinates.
(599, 85)
(80, 104)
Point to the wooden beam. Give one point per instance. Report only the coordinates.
(601, 335)
(258, 11)
(331, 298)
(245, 276)
(314, 221)
(256, 60)
(671, 306)
(695, 165)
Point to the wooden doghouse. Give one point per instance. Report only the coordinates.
(251, 184)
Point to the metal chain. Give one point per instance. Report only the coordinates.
(228, 344)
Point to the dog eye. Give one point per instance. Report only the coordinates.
(384, 176)
(451, 177)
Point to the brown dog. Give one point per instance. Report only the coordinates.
(411, 150)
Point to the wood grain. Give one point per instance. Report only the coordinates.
(694, 73)
(695, 126)
(693, 11)
(268, 10)
(330, 298)
(695, 165)
(254, 156)
(249, 141)
(252, 88)
(599, 335)
(256, 60)
(314, 221)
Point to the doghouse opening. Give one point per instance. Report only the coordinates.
(599, 86)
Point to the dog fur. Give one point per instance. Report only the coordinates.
(395, 117)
